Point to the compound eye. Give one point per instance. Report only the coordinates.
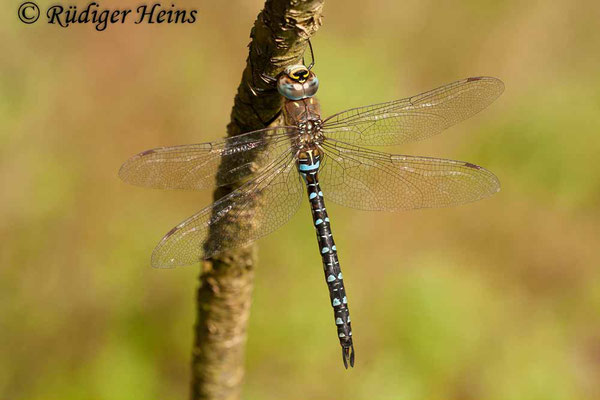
(297, 83)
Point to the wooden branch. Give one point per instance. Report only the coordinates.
(278, 39)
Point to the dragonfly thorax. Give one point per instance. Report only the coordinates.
(311, 128)
(309, 134)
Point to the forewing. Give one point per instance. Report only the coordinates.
(194, 166)
(255, 209)
(370, 180)
(413, 118)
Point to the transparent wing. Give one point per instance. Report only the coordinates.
(370, 180)
(194, 166)
(255, 209)
(413, 118)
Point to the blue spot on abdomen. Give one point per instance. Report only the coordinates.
(309, 167)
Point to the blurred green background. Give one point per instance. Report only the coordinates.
(494, 300)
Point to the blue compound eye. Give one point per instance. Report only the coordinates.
(295, 85)
(291, 90)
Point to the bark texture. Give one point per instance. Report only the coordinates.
(278, 39)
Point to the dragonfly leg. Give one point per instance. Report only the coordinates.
(269, 80)
(256, 91)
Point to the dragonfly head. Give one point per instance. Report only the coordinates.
(297, 82)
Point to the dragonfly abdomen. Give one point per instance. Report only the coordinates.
(308, 168)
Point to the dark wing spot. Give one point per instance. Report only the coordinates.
(145, 153)
(468, 164)
(172, 231)
(475, 78)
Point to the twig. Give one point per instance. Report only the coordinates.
(223, 302)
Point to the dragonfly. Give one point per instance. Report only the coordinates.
(327, 159)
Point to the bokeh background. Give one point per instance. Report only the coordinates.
(494, 300)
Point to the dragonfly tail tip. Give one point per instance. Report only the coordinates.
(348, 356)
